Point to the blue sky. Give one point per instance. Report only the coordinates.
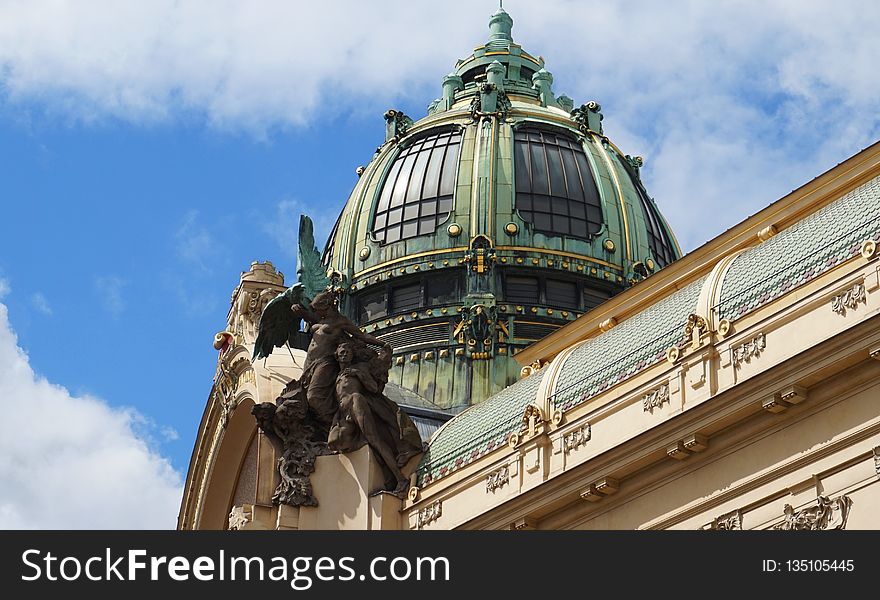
(150, 151)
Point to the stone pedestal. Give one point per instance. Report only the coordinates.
(343, 485)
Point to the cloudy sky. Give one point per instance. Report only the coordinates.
(149, 151)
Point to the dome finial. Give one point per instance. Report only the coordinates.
(500, 26)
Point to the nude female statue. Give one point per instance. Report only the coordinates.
(367, 416)
(329, 329)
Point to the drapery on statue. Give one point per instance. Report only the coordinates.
(337, 404)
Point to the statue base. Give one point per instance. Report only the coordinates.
(345, 486)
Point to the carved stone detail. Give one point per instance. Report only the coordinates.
(695, 327)
(750, 349)
(429, 514)
(876, 452)
(240, 517)
(655, 398)
(827, 514)
(497, 479)
(576, 438)
(848, 299)
(731, 521)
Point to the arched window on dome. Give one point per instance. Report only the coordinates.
(659, 242)
(417, 193)
(555, 189)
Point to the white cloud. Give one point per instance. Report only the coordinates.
(731, 104)
(41, 304)
(109, 289)
(195, 244)
(73, 462)
(5, 288)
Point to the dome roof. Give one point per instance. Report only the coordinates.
(489, 223)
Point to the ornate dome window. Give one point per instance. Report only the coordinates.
(555, 190)
(417, 193)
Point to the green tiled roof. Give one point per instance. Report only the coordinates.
(478, 430)
(597, 365)
(636, 343)
(802, 252)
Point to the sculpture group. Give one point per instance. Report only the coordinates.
(337, 405)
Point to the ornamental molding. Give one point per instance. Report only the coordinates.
(655, 398)
(576, 438)
(876, 451)
(429, 514)
(848, 299)
(731, 521)
(240, 517)
(748, 350)
(695, 328)
(497, 478)
(826, 514)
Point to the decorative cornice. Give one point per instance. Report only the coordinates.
(848, 299)
(497, 478)
(576, 438)
(731, 521)
(655, 398)
(748, 350)
(827, 514)
(429, 514)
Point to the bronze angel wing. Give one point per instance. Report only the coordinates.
(278, 321)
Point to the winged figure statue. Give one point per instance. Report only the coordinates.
(278, 321)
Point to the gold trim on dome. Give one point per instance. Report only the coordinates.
(616, 179)
(559, 253)
(410, 257)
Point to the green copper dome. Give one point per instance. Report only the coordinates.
(491, 222)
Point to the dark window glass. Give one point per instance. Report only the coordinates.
(662, 247)
(562, 293)
(422, 180)
(406, 298)
(521, 289)
(658, 242)
(371, 306)
(555, 189)
(593, 297)
(443, 290)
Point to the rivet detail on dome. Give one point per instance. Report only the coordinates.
(608, 245)
(364, 254)
(511, 229)
(454, 230)
(650, 264)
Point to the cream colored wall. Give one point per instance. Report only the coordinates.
(829, 451)
(723, 440)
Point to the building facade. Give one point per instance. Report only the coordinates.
(598, 379)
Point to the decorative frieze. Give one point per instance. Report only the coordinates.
(429, 514)
(748, 350)
(731, 521)
(240, 517)
(576, 438)
(848, 299)
(827, 514)
(655, 398)
(497, 478)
